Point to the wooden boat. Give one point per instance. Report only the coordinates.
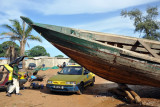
(120, 59)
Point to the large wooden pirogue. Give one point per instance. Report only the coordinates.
(116, 58)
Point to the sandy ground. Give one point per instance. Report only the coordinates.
(95, 96)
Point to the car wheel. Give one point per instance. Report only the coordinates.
(81, 88)
(92, 84)
(52, 92)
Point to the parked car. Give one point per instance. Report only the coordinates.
(31, 66)
(6, 72)
(72, 78)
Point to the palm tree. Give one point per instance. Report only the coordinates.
(10, 50)
(11, 53)
(19, 33)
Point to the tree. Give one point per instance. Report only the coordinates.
(1, 51)
(146, 24)
(59, 56)
(20, 33)
(38, 51)
(9, 49)
(71, 61)
(27, 52)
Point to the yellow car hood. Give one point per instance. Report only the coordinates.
(61, 77)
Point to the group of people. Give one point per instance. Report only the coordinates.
(16, 78)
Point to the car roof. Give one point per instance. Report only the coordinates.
(31, 63)
(74, 65)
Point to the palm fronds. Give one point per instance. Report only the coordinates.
(19, 32)
(31, 37)
(17, 27)
(28, 31)
(10, 28)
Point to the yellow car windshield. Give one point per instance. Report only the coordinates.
(71, 70)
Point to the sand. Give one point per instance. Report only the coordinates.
(95, 96)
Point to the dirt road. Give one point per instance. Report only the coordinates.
(96, 96)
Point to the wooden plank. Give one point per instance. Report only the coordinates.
(134, 47)
(121, 39)
(114, 39)
(148, 48)
(120, 36)
(139, 49)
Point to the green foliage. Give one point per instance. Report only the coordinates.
(145, 24)
(19, 32)
(59, 56)
(37, 51)
(71, 61)
(2, 54)
(5, 46)
(27, 52)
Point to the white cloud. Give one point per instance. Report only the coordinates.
(12, 9)
(114, 25)
(109, 23)
(86, 6)
(9, 9)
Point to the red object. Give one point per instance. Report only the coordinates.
(6, 80)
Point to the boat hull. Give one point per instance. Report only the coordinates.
(102, 69)
(103, 60)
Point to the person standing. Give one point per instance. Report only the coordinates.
(15, 77)
(64, 64)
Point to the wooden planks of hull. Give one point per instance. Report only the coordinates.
(101, 68)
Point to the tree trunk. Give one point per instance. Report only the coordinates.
(22, 50)
(11, 53)
(22, 45)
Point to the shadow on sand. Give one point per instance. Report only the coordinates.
(101, 90)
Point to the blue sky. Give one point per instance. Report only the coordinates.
(94, 15)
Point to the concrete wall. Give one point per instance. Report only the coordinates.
(4, 61)
(48, 61)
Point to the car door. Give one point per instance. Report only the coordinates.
(4, 74)
(88, 76)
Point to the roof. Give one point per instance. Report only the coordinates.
(74, 65)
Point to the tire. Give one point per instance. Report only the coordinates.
(92, 84)
(52, 92)
(81, 88)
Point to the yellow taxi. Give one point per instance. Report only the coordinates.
(6, 72)
(72, 78)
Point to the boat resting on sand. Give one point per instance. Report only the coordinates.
(116, 58)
